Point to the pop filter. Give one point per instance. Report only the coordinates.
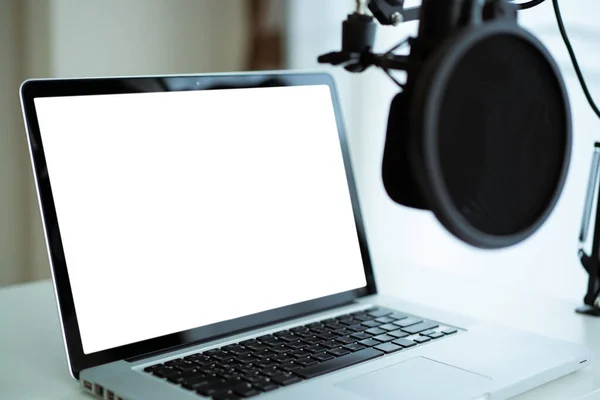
(481, 132)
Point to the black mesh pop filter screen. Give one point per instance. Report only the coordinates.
(502, 134)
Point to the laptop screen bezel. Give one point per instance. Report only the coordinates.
(77, 359)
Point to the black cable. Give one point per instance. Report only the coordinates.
(563, 33)
(530, 4)
(396, 81)
(397, 46)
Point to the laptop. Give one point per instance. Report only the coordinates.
(206, 241)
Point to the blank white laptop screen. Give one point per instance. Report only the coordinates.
(182, 209)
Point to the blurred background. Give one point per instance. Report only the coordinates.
(75, 38)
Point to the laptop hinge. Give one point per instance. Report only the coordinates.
(213, 338)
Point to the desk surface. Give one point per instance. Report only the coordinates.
(33, 365)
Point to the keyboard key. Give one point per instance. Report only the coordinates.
(186, 367)
(344, 317)
(345, 340)
(153, 367)
(398, 333)
(384, 338)
(265, 337)
(315, 348)
(252, 376)
(423, 326)
(314, 325)
(449, 331)
(327, 336)
(428, 332)
(265, 385)
(175, 378)
(397, 316)
(385, 320)
(226, 395)
(256, 346)
(330, 344)
(295, 330)
(369, 342)
(407, 322)
(194, 383)
(376, 331)
(304, 334)
(371, 324)
(286, 379)
(264, 353)
(197, 358)
(290, 366)
(245, 389)
(343, 332)
(338, 352)
(265, 363)
(280, 349)
(332, 321)
(282, 333)
(338, 363)
(435, 335)
(296, 345)
(173, 362)
(271, 371)
(381, 312)
(299, 353)
(312, 340)
(306, 361)
(360, 335)
(289, 338)
(388, 347)
(166, 372)
(213, 388)
(356, 328)
(422, 339)
(323, 356)
(352, 321)
(283, 358)
(322, 329)
(249, 368)
(354, 347)
(274, 342)
(363, 317)
(247, 359)
(388, 327)
(404, 342)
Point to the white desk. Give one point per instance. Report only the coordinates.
(33, 365)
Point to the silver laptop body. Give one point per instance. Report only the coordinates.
(206, 241)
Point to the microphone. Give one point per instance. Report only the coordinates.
(480, 133)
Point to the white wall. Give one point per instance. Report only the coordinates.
(64, 38)
(546, 262)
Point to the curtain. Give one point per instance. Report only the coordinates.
(61, 38)
(266, 25)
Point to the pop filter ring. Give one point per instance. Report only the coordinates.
(427, 98)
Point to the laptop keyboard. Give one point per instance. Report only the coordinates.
(268, 362)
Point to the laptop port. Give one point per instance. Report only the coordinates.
(98, 390)
(110, 395)
(87, 385)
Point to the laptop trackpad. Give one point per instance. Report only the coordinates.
(419, 378)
